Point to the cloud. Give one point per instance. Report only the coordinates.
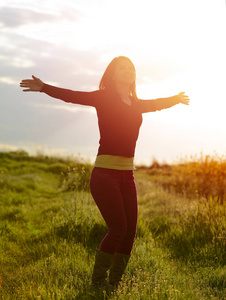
(6, 147)
(8, 80)
(70, 14)
(15, 17)
(34, 149)
(12, 17)
(22, 57)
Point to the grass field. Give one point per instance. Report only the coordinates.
(50, 228)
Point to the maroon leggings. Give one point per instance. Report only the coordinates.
(115, 194)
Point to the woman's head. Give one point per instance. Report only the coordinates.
(120, 70)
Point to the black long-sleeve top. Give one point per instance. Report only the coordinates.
(119, 123)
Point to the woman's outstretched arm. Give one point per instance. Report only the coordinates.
(76, 97)
(163, 103)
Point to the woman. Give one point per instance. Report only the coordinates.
(112, 183)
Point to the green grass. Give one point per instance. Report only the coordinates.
(50, 228)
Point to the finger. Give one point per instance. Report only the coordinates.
(185, 102)
(27, 90)
(27, 80)
(35, 78)
(24, 84)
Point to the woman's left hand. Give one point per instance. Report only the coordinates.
(184, 99)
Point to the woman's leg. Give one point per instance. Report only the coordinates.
(115, 195)
(105, 187)
(121, 258)
(129, 196)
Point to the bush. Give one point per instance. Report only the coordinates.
(57, 168)
(205, 177)
(77, 177)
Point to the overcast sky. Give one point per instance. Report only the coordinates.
(176, 45)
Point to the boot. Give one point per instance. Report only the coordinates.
(102, 264)
(118, 267)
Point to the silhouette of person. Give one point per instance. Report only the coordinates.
(112, 184)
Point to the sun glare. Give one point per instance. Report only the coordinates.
(175, 46)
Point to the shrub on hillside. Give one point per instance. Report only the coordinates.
(205, 177)
(77, 177)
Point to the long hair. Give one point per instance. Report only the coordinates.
(107, 81)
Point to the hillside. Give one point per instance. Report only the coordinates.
(50, 228)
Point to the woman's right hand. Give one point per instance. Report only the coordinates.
(32, 85)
